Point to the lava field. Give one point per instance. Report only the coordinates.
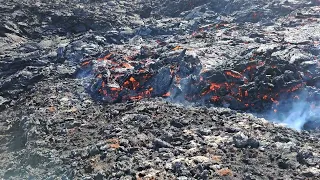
(260, 79)
(145, 90)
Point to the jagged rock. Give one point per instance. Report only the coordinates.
(158, 143)
(240, 140)
(136, 89)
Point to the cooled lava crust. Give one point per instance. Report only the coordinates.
(186, 89)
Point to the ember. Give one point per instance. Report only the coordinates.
(233, 74)
(85, 63)
(295, 88)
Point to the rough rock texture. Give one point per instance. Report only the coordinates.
(159, 89)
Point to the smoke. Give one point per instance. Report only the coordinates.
(295, 111)
(297, 116)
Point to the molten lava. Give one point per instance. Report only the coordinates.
(121, 77)
(233, 74)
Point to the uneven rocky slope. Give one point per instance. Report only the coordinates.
(159, 89)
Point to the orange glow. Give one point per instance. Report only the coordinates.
(136, 97)
(148, 92)
(85, 63)
(265, 97)
(249, 68)
(230, 88)
(126, 83)
(177, 48)
(134, 83)
(215, 98)
(126, 65)
(235, 75)
(297, 87)
(214, 86)
(115, 89)
(229, 85)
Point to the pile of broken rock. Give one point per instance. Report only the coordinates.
(159, 89)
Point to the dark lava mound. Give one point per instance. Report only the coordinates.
(258, 80)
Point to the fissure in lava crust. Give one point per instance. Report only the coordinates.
(258, 84)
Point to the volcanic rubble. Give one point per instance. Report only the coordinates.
(159, 89)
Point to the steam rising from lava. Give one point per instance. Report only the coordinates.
(298, 111)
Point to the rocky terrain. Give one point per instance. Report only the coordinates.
(187, 89)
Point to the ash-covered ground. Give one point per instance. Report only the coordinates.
(186, 89)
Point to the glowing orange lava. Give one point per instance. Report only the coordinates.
(126, 65)
(295, 88)
(214, 86)
(85, 63)
(215, 98)
(177, 48)
(265, 97)
(134, 83)
(233, 74)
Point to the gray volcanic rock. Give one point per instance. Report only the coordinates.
(159, 89)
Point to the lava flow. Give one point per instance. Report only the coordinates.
(249, 86)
